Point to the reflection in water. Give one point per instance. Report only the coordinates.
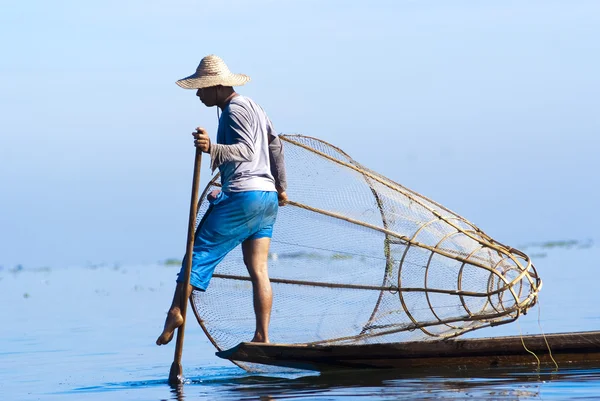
(385, 384)
(177, 392)
(579, 381)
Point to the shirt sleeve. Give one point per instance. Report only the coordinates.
(276, 159)
(238, 127)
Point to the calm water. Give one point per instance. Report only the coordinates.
(88, 333)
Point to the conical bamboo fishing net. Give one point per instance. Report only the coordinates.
(357, 258)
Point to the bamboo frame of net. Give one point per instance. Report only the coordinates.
(512, 309)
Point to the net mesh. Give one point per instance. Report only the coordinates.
(357, 258)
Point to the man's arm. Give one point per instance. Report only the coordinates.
(243, 147)
(277, 163)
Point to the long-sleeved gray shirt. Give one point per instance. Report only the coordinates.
(248, 152)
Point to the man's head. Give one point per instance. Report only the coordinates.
(213, 80)
(214, 95)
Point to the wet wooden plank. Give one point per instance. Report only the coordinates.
(499, 351)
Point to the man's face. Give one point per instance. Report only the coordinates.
(208, 96)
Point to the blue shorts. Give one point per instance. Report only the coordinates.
(231, 218)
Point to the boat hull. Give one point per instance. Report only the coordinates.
(464, 353)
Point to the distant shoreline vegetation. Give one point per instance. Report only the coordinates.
(539, 250)
(567, 244)
(535, 250)
(172, 262)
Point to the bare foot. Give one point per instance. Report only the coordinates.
(259, 338)
(174, 320)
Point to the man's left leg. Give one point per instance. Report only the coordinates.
(256, 253)
(174, 317)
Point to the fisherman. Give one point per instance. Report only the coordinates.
(249, 156)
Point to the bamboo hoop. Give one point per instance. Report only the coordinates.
(426, 277)
(459, 284)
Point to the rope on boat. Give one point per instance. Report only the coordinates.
(544, 336)
(527, 349)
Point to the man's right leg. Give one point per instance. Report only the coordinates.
(256, 252)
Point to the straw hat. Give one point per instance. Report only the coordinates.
(212, 71)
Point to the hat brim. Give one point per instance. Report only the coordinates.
(195, 81)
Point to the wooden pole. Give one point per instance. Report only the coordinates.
(176, 373)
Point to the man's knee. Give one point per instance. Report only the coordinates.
(258, 272)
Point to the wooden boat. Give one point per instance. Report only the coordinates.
(566, 348)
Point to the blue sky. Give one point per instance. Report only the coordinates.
(488, 107)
